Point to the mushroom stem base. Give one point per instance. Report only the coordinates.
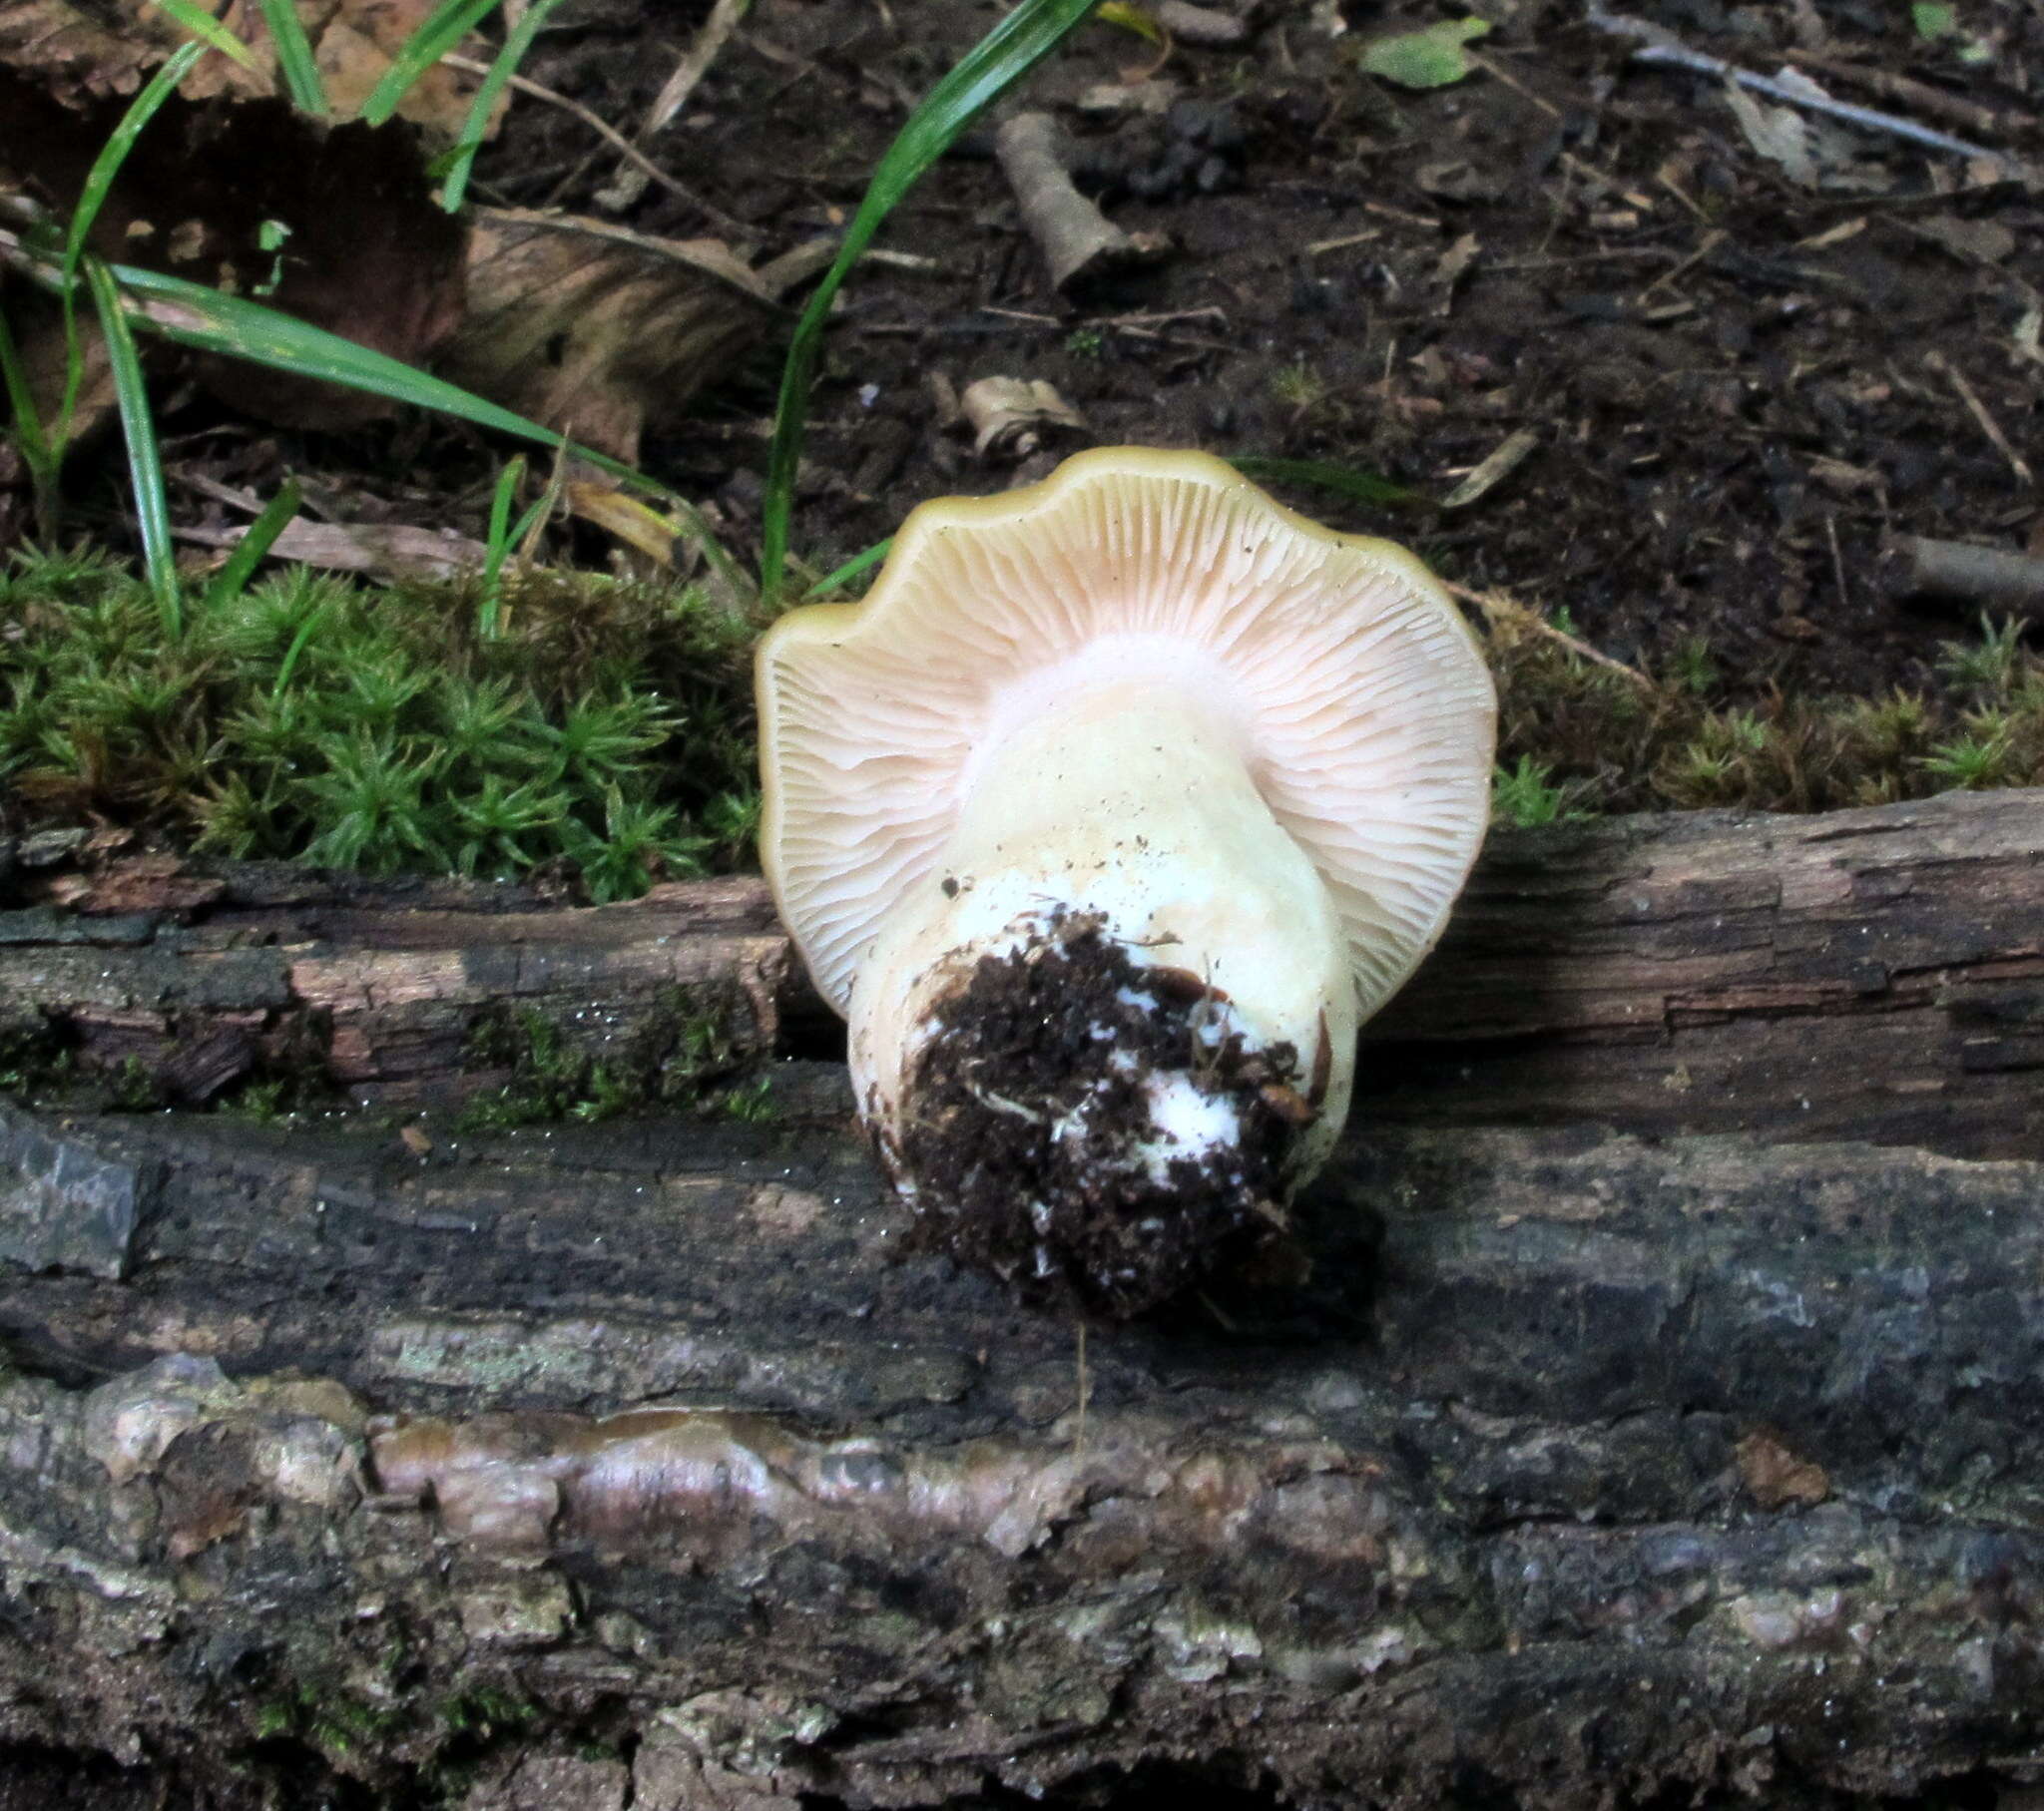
(1095, 1128)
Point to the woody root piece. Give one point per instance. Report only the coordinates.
(1960, 573)
(1077, 240)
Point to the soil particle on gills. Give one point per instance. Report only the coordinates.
(1095, 1128)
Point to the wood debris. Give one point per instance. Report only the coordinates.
(1076, 239)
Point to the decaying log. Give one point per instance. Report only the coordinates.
(641, 1458)
(1869, 974)
(380, 985)
(645, 1463)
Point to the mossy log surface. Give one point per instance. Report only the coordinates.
(1873, 974)
(639, 1463)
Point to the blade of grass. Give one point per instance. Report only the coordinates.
(438, 32)
(1363, 487)
(23, 422)
(1003, 57)
(145, 460)
(535, 512)
(257, 540)
(300, 641)
(851, 570)
(498, 546)
(295, 60)
(202, 25)
(26, 425)
(517, 42)
(98, 182)
(192, 315)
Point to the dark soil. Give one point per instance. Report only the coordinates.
(1029, 1128)
(1739, 384)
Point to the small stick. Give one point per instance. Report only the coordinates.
(615, 140)
(1838, 559)
(1659, 44)
(1342, 243)
(1959, 571)
(694, 66)
(1077, 240)
(1920, 95)
(1989, 425)
(1491, 67)
(1500, 606)
(1712, 240)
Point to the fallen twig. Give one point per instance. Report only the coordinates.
(1500, 607)
(1077, 240)
(1660, 45)
(1978, 410)
(723, 222)
(1508, 457)
(1912, 93)
(717, 30)
(1962, 573)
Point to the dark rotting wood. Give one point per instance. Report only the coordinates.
(1873, 974)
(640, 1461)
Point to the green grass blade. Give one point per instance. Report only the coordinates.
(23, 422)
(1010, 51)
(99, 184)
(1362, 487)
(299, 643)
(145, 460)
(442, 28)
(197, 22)
(525, 524)
(499, 543)
(517, 42)
(41, 458)
(99, 181)
(851, 570)
(194, 316)
(257, 540)
(295, 60)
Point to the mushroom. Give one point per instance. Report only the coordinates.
(1105, 819)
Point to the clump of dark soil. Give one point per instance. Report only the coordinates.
(1033, 1147)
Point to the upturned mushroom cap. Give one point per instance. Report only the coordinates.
(1106, 820)
(1362, 704)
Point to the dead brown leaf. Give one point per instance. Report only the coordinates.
(636, 524)
(1010, 417)
(383, 550)
(597, 330)
(365, 249)
(1970, 242)
(83, 52)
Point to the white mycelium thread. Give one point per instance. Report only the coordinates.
(1191, 1122)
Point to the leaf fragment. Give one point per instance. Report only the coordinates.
(1431, 58)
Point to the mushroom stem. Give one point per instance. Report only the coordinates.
(1126, 951)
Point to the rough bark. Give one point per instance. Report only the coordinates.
(1871, 974)
(639, 1461)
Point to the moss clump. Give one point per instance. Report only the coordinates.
(686, 1053)
(604, 733)
(33, 1057)
(1576, 738)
